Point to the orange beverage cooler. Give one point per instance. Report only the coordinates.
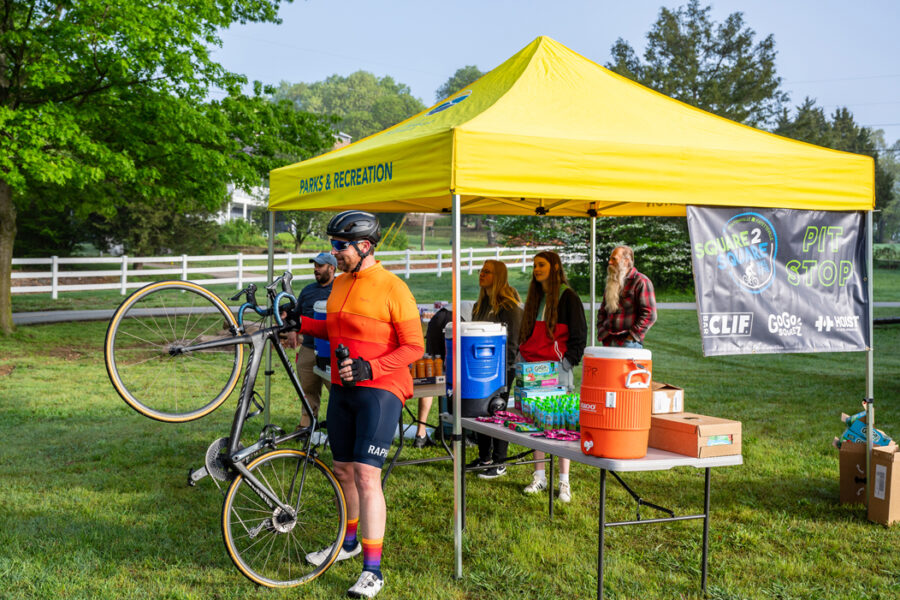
(616, 402)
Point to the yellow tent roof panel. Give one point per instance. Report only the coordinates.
(551, 131)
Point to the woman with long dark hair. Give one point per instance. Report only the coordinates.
(498, 302)
(553, 329)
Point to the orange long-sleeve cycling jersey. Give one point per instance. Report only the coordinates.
(374, 314)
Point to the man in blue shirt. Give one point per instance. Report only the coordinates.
(324, 266)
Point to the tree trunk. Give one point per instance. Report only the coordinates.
(491, 235)
(7, 237)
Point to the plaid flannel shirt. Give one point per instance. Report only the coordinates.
(637, 312)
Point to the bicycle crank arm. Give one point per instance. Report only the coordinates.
(195, 475)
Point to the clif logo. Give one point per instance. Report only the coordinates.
(726, 324)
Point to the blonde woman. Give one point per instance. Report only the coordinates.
(553, 329)
(498, 302)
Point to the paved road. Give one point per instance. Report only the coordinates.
(61, 316)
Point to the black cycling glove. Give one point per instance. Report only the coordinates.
(292, 320)
(362, 370)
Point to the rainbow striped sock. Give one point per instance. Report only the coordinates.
(372, 556)
(350, 535)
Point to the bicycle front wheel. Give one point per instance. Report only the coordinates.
(269, 544)
(167, 386)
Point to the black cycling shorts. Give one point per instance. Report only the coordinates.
(361, 423)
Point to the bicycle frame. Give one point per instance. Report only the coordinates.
(236, 455)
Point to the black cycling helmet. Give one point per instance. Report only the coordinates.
(354, 225)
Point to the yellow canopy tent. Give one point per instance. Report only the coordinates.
(550, 132)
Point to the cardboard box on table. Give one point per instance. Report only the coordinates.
(695, 435)
(666, 398)
(537, 392)
(537, 374)
(884, 502)
(853, 473)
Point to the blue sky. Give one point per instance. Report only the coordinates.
(840, 52)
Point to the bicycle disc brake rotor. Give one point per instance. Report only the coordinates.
(215, 466)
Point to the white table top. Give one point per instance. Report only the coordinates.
(655, 460)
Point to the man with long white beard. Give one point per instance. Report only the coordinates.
(629, 303)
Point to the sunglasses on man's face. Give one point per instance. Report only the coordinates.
(340, 245)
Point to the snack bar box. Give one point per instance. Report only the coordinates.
(852, 463)
(535, 393)
(695, 435)
(884, 503)
(537, 374)
(666, 398)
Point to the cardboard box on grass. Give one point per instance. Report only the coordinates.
(666, 398)
(884, 502)
(695, 435)
(853, 472)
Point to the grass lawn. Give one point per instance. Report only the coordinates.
(94, 501)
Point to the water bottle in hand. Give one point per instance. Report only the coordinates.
(342, 353)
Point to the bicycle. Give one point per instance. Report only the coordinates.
(164, 346)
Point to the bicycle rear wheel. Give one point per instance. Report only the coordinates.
(269, 545)
(154, 382)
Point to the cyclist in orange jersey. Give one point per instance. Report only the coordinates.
(372, 313)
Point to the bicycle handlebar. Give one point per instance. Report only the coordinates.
(249, 292)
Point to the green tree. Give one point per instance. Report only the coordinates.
(717, 67)
(363, 103)
(889, 159)
(463, 77)
(303, 224)
(103, 106)
(809, 124)
(660, 247)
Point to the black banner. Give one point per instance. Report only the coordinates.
(779, 280)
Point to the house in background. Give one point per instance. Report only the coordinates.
(241, 205)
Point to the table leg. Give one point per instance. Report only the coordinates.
(550, 485)
(703, 569)
(462, 478)
(601, 535)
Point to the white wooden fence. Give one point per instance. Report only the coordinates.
(127, 272)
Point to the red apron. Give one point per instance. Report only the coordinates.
(539, 346)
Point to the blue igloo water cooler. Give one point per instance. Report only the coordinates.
(482, 367)
(322, 347)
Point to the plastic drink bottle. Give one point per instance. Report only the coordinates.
(342, 353)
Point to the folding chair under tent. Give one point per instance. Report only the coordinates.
(549, 132)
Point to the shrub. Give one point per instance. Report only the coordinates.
(241, 233)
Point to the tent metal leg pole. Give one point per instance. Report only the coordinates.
(870, 357)
(593, 262)
(458, 465)
(271, 271)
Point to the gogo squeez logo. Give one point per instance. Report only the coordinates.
(746, 249)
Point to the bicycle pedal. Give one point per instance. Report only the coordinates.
(195, 475)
